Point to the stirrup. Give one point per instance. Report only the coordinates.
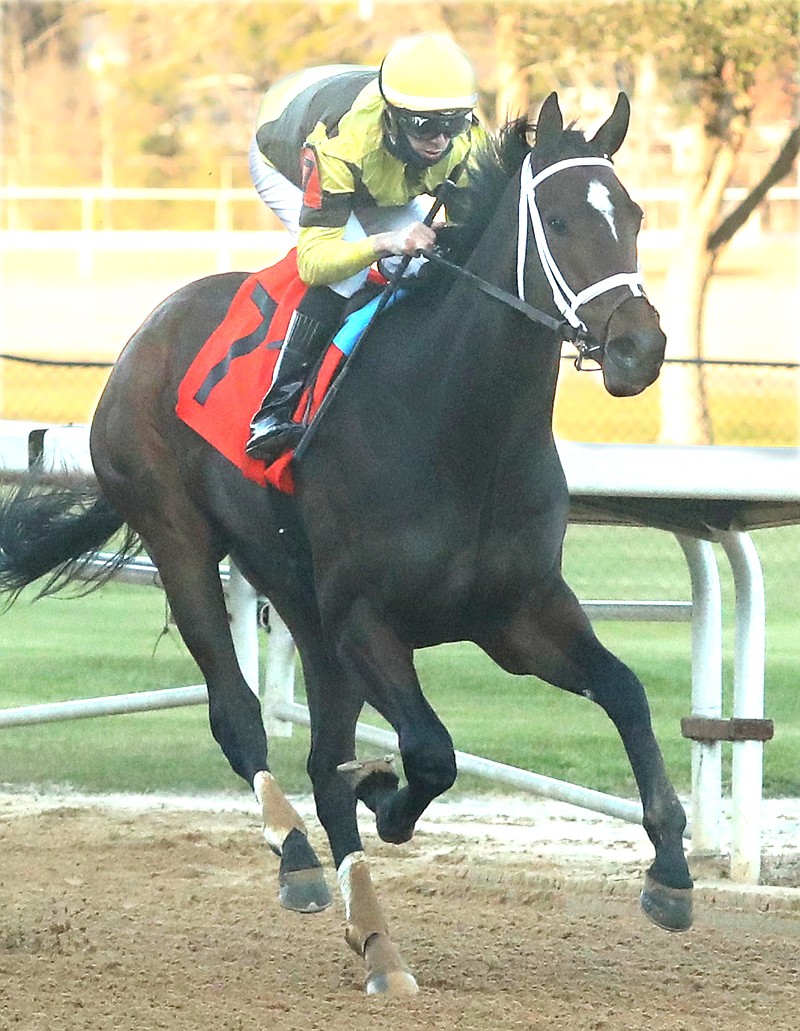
(270, 444)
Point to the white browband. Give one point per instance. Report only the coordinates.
(566, 300)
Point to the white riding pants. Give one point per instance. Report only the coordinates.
(286, 201)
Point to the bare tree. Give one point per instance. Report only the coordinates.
(714, 61)
(709, 57)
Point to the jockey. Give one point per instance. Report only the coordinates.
(344, 156)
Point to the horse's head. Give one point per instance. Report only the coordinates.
(584, 235)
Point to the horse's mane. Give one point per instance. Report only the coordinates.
(472, 208)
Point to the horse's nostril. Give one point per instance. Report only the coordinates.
(623, 350)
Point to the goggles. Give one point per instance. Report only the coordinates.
(429, 126)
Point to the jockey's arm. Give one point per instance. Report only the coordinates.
(324, 256)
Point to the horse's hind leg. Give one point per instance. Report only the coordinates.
(555, 641)
(181, 548)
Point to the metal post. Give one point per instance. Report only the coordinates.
(242, 610)
(748, 703)
(278, 676)
(706, 693)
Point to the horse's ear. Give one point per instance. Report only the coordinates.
(608, 138)
(550, 123)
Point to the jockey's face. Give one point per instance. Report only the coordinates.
(429, 150)
(428, 134)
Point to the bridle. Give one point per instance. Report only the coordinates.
(564, 298)
(571, 327)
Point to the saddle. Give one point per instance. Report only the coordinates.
(232, 371)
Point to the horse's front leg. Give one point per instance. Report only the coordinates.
(555, 641)
(301, 882)
(383, 665)
(334, 707)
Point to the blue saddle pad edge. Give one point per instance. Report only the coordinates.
(357, 321)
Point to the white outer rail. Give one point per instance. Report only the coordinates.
(67, 448)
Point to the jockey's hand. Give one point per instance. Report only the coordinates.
(410, 240)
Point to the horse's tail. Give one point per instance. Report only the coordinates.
(55, 530)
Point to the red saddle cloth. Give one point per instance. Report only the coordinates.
(226, 383)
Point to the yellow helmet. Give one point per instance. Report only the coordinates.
(428, 73)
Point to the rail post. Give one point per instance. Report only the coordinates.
(748, 704)
(241, 602)
(706, 693)
(278, 676)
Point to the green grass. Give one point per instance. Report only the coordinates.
(111, 642)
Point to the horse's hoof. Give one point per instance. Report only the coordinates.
(386, 972)
(670, 908)
(356, 771)
(390, 825)
(304, 891)
(301, 881)
(398, 982)
(373, 781)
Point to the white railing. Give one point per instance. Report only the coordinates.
(222, 199)
(260, 248)
(220, 238)
(90, 199)
(596, 473)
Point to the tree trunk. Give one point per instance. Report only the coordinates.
(684, 413)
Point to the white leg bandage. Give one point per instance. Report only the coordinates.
(362, 911)
(279, 817)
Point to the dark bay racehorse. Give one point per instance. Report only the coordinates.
(430, 506)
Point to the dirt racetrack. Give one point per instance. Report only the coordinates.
(140, 918)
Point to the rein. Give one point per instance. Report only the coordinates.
(579, 337)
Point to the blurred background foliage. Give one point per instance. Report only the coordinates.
(174, 85)
(133, 94)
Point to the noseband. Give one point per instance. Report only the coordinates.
(564, 298)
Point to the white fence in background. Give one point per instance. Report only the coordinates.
(593, 471)
(95, 233)
(87, 247)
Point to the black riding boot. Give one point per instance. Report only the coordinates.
(310, 329)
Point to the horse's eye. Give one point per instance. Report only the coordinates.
(558, 225)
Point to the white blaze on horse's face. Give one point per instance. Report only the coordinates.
(599, 197)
